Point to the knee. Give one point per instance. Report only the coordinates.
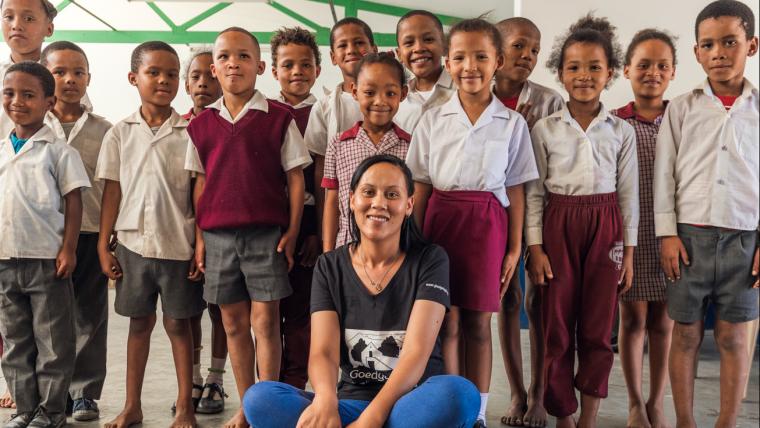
(533, 302)
(235, 327)
(633, 323)
(258, 399)
(214, 313)
(461, 396)
(687, 336)
(451, 329)
(142, 326)
(478, 329)
(512, 299)
(175, 327)
(265, 323)
(731, 340)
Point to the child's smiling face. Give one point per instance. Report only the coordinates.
(420, 45)
(722, 49)
(200, 83)
(472, 61)
(25, 25)
(651, 69)
(237, 63)
(24, 99)
(585, 72)
(157, 78)
(350, 44)
(379, 93)
(296, 69)
(71, 73)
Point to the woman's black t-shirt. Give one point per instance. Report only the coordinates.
(373, 328)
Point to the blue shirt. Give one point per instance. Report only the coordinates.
(17, 142)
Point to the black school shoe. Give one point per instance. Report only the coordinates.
(20, 420)
(480, 423)
(42, 419)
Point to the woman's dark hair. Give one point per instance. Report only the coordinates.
(411, 236)
(385, 58)
(650, 34)
(589, 29)
(476, 25)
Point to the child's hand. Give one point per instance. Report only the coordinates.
(671, 248)
(199, 261)
(626, 276)
(508, 267)
(195, 273)
(539, 269)
(524, 109)
(309, 251)
(65, 263)
(756, 268)
(108, 264)
(287, 245)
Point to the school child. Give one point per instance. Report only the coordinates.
(379, 88)
(208, 396)
(650, 62)
(41, 177)
(81, 129)
(470, 158)
(522, 43)
(421, 44)
(147, 204)
(245, 244)
(705, 207)
(296, 66)
(350, 39)
(581, 221)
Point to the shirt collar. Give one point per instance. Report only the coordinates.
(628, 112)
(353, 132)
(748, 89)
(257, 102)
(175, 120)
(309, 101)
(43, 135)
(444, 81)
(495, 109)
(603, 116)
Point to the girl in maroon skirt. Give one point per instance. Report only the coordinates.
(581, 222)
(470, 158)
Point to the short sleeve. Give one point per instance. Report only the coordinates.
(293, 153)
(71, 173)
(330, 177)
(321, 298)
(193, 160)
(109, 160)
(522, 163)
(316, 136)
(417, 158)
(433, 278)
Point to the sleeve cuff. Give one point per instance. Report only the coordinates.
(630, 237)
(302, 162)
(665, 224)
(75, 185)
(329, 183)
(534, 236)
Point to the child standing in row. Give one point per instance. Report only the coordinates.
(296, 66)
(41, 177)
(470, 158)
(421, 44)
(522, 43)
(581, 222)
(705, 207)
(650, 66)
(75, 123)
(146, 201)
(240, 243)
(381, 89)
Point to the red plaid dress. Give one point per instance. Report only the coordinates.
(345, 152)
(648, 278)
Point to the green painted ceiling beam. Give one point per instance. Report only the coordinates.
(203, 15)
(164, 17)
(62, 5)
(297, 16)
(386, 9)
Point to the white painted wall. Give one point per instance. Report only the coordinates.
(114, 98)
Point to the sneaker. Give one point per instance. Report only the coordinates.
(20, 420)
(42, 419)
(212, 400)
(85, 410)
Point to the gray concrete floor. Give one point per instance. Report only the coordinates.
(160, 385)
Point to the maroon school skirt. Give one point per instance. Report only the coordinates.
(472, 227)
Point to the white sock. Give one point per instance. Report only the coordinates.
(483, 405)
(216, 371)
(197, 377)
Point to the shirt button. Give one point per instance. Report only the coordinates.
(721, 182)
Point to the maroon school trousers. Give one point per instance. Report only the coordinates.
(583, 238)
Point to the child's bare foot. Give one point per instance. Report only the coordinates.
(6, 401)
(184, 419)
(657, 416)
(535, 416)
(566, 422)
(237, 421)
(514, 415)
(637, 417)
(128, 417)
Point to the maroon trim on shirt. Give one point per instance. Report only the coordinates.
(510, 103)
(628, 112)
(329, 183)
(353, 132)
(189, 115)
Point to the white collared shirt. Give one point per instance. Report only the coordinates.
(332, 115)
(451, 153)
(571, 161)
(293, 153)
(156, 217)
(34, 182)
(309, 101)
(86, 137)
(706, 164)
(411, 109)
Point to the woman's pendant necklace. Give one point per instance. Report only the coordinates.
(378, 286)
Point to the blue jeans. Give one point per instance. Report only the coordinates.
(441, 401)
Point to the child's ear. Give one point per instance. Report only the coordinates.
(89, 78)
(261, 68)
(187, 86)
(50, 101)
(752, 46)
(626, 70)
(354, 91)
(696, 51)
(332, 57)
(374, 48)
(404, 92)
(673, 75)
(446, 64)
(213, 71)
(500, 61)
(274, 71)
(132, 77)
(318, 70)
(50, 28)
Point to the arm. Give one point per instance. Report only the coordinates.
(109, 210)
(319, 193)
(628, 198)
(66, 260)
(200, 244)
(422, 193)
(418, 161)
(296, 189)
(330, 220)
(516, 211)
(538, 266)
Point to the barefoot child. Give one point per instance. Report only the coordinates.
(705, 207)
(75, 123)
(522, 43)
(208, 396)
(146, 201)
(470, 158)
(296, 66)
(421, 43)
(650, 66)
(247, 146)
(40, 176)
(581, 220)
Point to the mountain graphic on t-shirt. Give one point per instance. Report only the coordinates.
(374, 350)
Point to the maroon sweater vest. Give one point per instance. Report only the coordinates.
(245, 183)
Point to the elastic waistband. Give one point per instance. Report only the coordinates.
(600, 199)
(464, 196)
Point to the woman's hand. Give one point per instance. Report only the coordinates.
(539, 269)
(320, 414)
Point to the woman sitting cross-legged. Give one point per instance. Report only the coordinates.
(377, 305)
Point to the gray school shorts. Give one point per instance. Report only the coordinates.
(144, 279)
(720, 271)
(243, 264)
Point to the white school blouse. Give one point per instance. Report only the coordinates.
(706, 164)
(451, 153)
(333, 114)
(416, 103)
(34, 182)
(571, 161)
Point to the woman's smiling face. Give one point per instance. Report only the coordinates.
(381, 202)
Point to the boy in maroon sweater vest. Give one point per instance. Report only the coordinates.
(249, 157)
(295, 66)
